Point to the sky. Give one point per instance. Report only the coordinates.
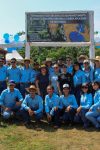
(12, 12)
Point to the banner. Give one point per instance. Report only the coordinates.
(57, 27)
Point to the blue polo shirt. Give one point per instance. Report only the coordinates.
(88, 75)
(79, 78)
(35, 103)
(70, 69)
(70, 100)
(86, 100)
(14, 74)
(25, 74)
(8, 98)
(97, 74)
(52, 102)
(97, 96)
(3, 73)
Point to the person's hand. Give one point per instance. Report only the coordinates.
(18, 103)
(90, 110)
(55, 108)
(79, 109)
(31, 112)
(7, 109)
(49, 117)
(68, 109)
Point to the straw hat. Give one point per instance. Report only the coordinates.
(27, 59)
(48, 59)
(32, 87)
(82, 56)
(96, 58)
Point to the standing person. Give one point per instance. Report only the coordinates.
(93, 114)
(35, 72)
(60, 63)
(13, 72)
(32, 106)
(54, 78)
(48, 63)
(69, 104)
(85, 104)
(10, 100)
(97, 69)
(65, 77)
(69, 64)
(78, 79)
(80, 60)
(52, 106)
(25, 76)
(42, 81)
(3, 75)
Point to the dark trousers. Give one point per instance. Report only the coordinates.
(77, 93)
(56, 117)
(23, 87)
(80, 117)
(26, 117)
(69, 116)
(3, 86)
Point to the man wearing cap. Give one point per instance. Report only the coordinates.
(10, 100)
(32, 106)
(13, 73)
(3, 75)
(25, 76)
(69, 104)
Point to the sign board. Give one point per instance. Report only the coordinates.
(71, 26)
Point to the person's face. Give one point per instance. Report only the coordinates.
(56, 68)
(48, 63)
(13, 63)
(26, 63)
(43, 70)
(1, 62)
(36, 66)
(66, 91)
(86, 65)
(81, 60)
(95, 86)
(11, 87)
(50, 90)
(85, 89)
(68, 61)
(76, 67)
(64, 69)
(97, 63)
(32, 92)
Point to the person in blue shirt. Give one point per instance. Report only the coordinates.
(97, 69)
(85, 104)
(13, 73)
(10, 100)
(25, 76)
(3, 75)
(69, 64)
(52, 106)
(48, 63)
(32, 106)
(93, 114)
(69, 104)
(78, 79)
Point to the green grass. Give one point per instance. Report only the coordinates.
(13, 137)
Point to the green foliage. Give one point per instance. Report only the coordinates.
(41, 53)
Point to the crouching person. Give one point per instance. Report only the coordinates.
(85, 104)
(69, 105)
(10, 100)
(94, 112)
(52, 107)
(32, 106)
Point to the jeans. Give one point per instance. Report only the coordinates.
(23, 87)
(69, 116)
(7, 114)
(26, 117)
(94, 117)
(3, 86)
(80, 117)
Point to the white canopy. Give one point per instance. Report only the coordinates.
(14, 54)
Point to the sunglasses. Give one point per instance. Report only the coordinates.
(85, 87)
(13, 62)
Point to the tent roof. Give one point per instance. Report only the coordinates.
(14, 54)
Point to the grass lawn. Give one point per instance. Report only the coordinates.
(18, 137)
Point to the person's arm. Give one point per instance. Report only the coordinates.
(24, 104)
(89, 102)
(74, 105)
(58, 85)
(20, 98)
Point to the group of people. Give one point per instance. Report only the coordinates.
(65, 91)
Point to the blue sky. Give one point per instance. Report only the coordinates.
(12, 12)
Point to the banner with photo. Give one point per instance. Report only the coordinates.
(57, 27)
